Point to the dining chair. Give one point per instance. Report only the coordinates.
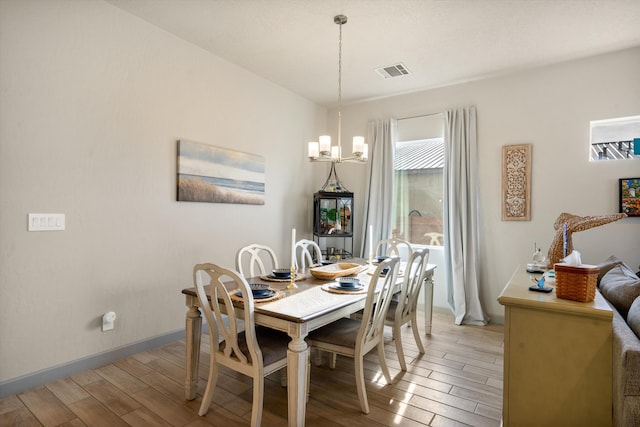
(254, 351)
(355, 338)
(435, 238)
(393, 247)
(256, 260)
(308, 253)
(403, 310)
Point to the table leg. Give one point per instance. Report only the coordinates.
(297, 375)
(428, 302)
(193, 331)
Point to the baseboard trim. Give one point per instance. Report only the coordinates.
(496, 319)
(35, 379)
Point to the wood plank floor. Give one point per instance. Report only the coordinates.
(458, 381)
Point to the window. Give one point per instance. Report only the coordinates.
(418, 192)
(614, 139)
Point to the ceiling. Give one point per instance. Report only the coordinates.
(294, 43)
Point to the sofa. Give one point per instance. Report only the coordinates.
(620, 286)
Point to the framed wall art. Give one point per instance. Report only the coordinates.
(629, 191)
(516, 182)
(219, 175)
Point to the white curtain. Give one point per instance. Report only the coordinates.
(461, 216)
(378, 202)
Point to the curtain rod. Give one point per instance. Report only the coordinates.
(418, 116)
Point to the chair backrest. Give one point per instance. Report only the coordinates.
(435, 239)
(222, 283)
(414, 275)
(392, 247)
(255, 260)
(377, 303)
(308, 254)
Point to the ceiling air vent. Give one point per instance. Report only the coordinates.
(391, 71)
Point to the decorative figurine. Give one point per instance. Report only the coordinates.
(566, 224)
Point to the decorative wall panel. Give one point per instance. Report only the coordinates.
(516, 182)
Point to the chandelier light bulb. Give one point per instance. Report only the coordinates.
(325, 144)
(358, 145)
(314, 152)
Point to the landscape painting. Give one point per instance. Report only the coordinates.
(219, 175)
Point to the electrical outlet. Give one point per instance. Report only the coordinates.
(108, 320)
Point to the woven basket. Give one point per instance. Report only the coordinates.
(577, 283)
(333, 271)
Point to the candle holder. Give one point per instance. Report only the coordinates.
(292, 282)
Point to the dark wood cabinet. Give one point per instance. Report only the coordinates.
(333, 224)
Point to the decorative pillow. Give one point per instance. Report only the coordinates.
(607, 265)
(633, 318)
(620, 286)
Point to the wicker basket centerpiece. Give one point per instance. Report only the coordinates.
(333, 271)
(576, 282)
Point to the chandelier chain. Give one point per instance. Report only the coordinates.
(341, 22)
(340, 69)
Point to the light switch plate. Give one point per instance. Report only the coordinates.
(46, 222)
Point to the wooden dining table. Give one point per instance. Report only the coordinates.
(297, 312)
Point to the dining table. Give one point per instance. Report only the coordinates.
(297, 310)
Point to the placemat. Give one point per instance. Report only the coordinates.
(278, 295)
(298, 278)
(328, 287)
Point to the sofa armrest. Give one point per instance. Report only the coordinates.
(626, 373)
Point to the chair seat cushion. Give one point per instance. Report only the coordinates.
(391, 313)
(342, 332)
(272, 343)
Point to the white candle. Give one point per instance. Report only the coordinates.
(293, 246)
(370, 242)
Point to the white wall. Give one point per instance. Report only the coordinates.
(550, 108)
(92, 103)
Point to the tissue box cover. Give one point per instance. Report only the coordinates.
(576, 282)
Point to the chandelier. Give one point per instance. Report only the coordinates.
(322, 150)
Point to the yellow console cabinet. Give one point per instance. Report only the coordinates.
(557, 358)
